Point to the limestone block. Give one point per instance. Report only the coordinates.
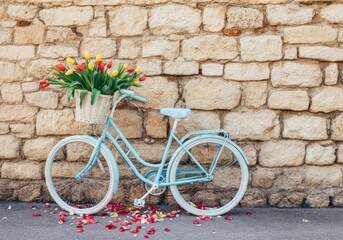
(9, 147)
(286, 199)
(150, 67)
(17, 113)
(254, 94)
(305, 127)
(4, 128)
(340, 153)
(30, 192)
(43, 99)
(98, 28)
(317, 154)
(12, 52)
(290, 53)
(151, 152)
(40, 68)
(255, 199)
(11, 93)
(23, 130)
(38, 149)
(30, 86)
(57, 51)
(261, 48)
(159, 93)
(213, 18)
(181, 68)
(6, 35)
(289, 14)
(337, 201)
(212, 69)
(327, 99)
(146, 2)
(11, 72)
(317, 200)
(106, 47)
(210, 47)
(169, 19)
(337, 128)
(246, 71)
(254, 125)
(239, 17)
(156, 125)
(283, 153)
(332, 13)
(58, 122)
(296, 74)
(32, 34)
(331, 74)
(161, 48)
(330, 54)
(22, 170)
(22, 12)
(128, 21)
(262, 178)
(199, 120)
(66, 16)
(310, 34)
(289, 100)
(212, 93)
(250, 152)
(290, 179)
(324, 176)
(99, 2)
(129, 49)
(340, 36)
(61, 35)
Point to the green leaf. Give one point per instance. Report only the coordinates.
(83, 93)
(95, 94)
(70, 93)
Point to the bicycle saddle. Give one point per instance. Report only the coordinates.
(178, 113)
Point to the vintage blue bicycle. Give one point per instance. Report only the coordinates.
(207, 174)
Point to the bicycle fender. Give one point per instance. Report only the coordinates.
(113, 161)
(172, 159)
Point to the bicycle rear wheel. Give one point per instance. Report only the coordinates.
(80, 194)
(214, 196)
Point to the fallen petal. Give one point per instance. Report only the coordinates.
(36, 214)
(151, 231)
(196, 222)
(228, 218)
(146, 236)
(248, 213)
(167, 230)
(32, 206)
(110, 226)
(79, 230)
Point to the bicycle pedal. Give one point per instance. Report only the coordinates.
(139, 202)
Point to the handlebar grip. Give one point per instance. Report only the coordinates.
(133, 95)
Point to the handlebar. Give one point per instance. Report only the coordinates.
(132, 95)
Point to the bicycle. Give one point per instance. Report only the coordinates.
(207, 174)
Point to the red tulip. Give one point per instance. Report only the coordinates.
(109, 64)
(44, 83)
(101, 66)
(142, 78)
(60, 67)
(79, 68)
(83, 65)
(130, 69)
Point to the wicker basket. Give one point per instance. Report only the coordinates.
(95, 113)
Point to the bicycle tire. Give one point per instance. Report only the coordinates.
(76, 195)
(215, 197)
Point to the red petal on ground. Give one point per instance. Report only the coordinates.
(103, 214)
(79, 230)
(167, 230)
(122, 229)
(36, 214)
(228, 218)
(151, 231)
(248, 213)
(116, 220)
(79, 226)
(124, 212)
(32, 206)
(47, 206)
(146, 236)
(196, 222)
(135, 230)
(110, 226)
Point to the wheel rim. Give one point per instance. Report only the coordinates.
(219, 195)
(86, 194)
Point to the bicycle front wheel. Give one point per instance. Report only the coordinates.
(217, 194)
(76, 183)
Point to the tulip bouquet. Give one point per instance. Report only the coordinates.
(94, 77)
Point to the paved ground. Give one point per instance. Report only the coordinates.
(17, 223)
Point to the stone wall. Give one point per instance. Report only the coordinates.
(267, 71)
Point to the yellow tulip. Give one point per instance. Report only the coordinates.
(90, 66)
(69, 72)
(87, 55)
(125, 65)
(98, 58)
(138, 70)
(115, 73)
(70, 61)
(109, 74)
(136, 82)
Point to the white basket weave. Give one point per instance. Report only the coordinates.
(95, 113)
